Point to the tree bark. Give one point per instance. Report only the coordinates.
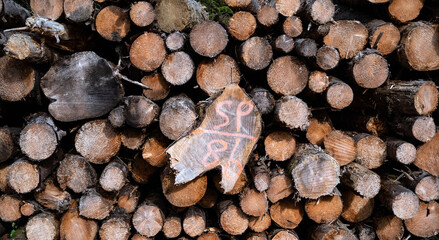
(364, 181)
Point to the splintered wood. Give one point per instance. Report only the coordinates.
(225, 138)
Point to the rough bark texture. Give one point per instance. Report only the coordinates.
(364, 181)
(178, 15)
(400, 200)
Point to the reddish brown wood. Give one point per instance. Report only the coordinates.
(356, 208)
(74, 226)
(78, 11)
(194, 221)
(370, 69)
(286, 213)
(260, 224)
(425, 222)
(159, 86)
(383, 36)
(75, 173)
(267, 15)
(51, 9)
(231, 218)
(43, 226)
(148, 51)
(172, 226)
(242, 25)
(325, 209)
(256, 53)
(9, 208)
(17, 79)
(148, 219)
(253, 203)
(95, 205)
(339, 95)
(23, 176)
(317, 130)
(404, 11)
(52, 197)
(340, 146)
(426, 157)
(281, 186)
(113, 23)
(327, 57)
(128, 198)
(292, 26)
(288, 8)
(348, 36)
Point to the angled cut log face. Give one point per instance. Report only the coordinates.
(225, 138)
(82, 86)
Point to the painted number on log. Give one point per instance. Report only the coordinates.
(225, 138)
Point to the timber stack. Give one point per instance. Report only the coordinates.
(219, 119)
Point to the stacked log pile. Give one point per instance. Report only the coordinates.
(323, 113)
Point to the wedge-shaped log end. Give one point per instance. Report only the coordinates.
(225, 138)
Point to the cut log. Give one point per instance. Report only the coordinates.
(327, 57)
(178, 15)
(255, 236)
(400, 151)
(371, 150)
(178, 68)
(365, 232)
(260, 174)
(74, 226)
(231, 218)
(427, 158)
(97, 141)
(283, 234)
(409, 97)
(280, 145)
(237, 188)
(292, 26)
(7, 146)
(404, 11)
(148, 219)
(238, 3)
(78, 11)
(76, 173)
(318, 81)
(288, 8)
(210, 198)
(208, 38)
(177, 117)
(427, 188)
(113, 23)
(191, 155)
(364, 181)
(208, 236)
(140, 237)
(115, 228)
(340, 146)
(325, 209)
(370, 69)
(141, 170)
(148, 51)
(82, 86)
(26, 48)
(142, 13)
(263, 99)
(159, 86)
(172, 226)
(267, 15)
(183, 195)
(140, 111)
(305, 47)
(4, 188)
(281, 186)
(320, 11)
(242, 25)
(42, 226)
(256, 53)
(39, 139)
(332, 231)
(114, 176)
(317, 130)
(287, 75)
(23, 176)
(17, 79)
(153, 151)
(260, 224)
(418, 46)
(348, 36)
(284, 44)
(117, 116)
(51, 9)
(29, 208)
(314, 173)
(421, 128)
(194, 221)
(9, 208)
(388, 226)
(400, 200)
(94, 205)
(356, 208)
(425, 223)
(383, 36)
(339, 95)
(13, 14)
(128, 198)
(287, 213)
(133, 138)
(175, 41)
(52, 197)
(253, 203)
(213, 75)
